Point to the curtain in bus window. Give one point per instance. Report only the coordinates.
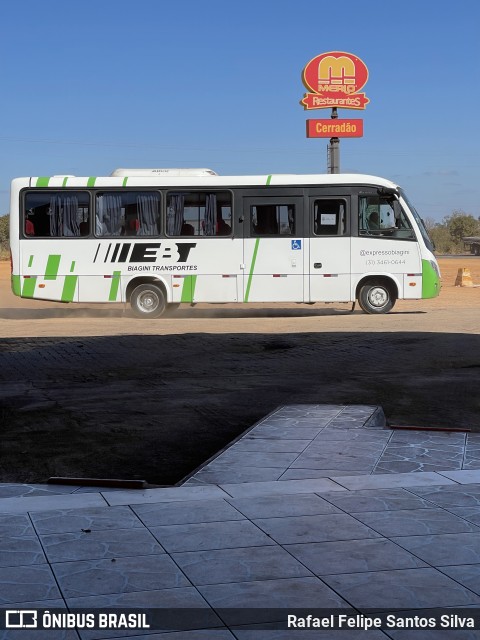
(148, 208)
(210, 219)
(55, 216)
(109, 215)
(71, 223)
(175, 211)
(64, 216)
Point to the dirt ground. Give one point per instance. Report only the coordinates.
(91, 391)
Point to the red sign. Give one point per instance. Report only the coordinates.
(335, 78)
(334, 128)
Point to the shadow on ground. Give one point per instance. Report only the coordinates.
(213, 311)
(156, 407)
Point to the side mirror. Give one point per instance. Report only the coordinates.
(387, 191)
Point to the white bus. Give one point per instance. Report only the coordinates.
(156, 238)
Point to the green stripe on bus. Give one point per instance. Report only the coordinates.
(112, 296)
(69, 288)
(269, 179)
(29, 287)
(194, 284)
(124, 183)
(51, 270)
(72, 267)
(64, 183)
(16, 286)
(91, 182)
(252, 268)
(30, 261)
(43, 182)
(188, 289)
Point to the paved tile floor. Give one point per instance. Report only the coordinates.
(314, 507)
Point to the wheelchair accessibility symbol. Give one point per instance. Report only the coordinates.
(296, 245)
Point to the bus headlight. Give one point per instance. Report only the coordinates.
(435, 267)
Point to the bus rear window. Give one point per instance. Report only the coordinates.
(56, 214)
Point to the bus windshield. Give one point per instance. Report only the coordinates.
(421, 225)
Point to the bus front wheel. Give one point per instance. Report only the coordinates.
(375, 298)
(148, 301)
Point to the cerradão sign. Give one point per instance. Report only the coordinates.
(334, 128)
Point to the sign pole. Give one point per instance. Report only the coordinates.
(334, 151)
(334, 79)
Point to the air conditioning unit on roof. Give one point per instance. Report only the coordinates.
(161, 173)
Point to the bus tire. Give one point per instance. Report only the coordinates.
(375, 297)
(148, 301)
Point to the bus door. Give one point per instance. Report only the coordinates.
(329, 250)
(274, 249)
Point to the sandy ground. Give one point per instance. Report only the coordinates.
(91, 391)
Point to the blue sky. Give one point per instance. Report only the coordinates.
(99, 84)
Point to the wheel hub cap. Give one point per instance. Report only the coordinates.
(378, 297)
(148, 302)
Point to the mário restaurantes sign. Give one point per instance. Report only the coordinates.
(334, 79)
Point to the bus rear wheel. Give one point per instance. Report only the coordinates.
(375, 297)
(148, 301)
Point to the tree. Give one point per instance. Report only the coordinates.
(461, 224)
(442, 239)
(4, 236)
(448, 235)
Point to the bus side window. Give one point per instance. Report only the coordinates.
(273, 219)
(56, 214)
(375, 215)
(329, 217)
(383, 217)
(199, 213)
(127, 213)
